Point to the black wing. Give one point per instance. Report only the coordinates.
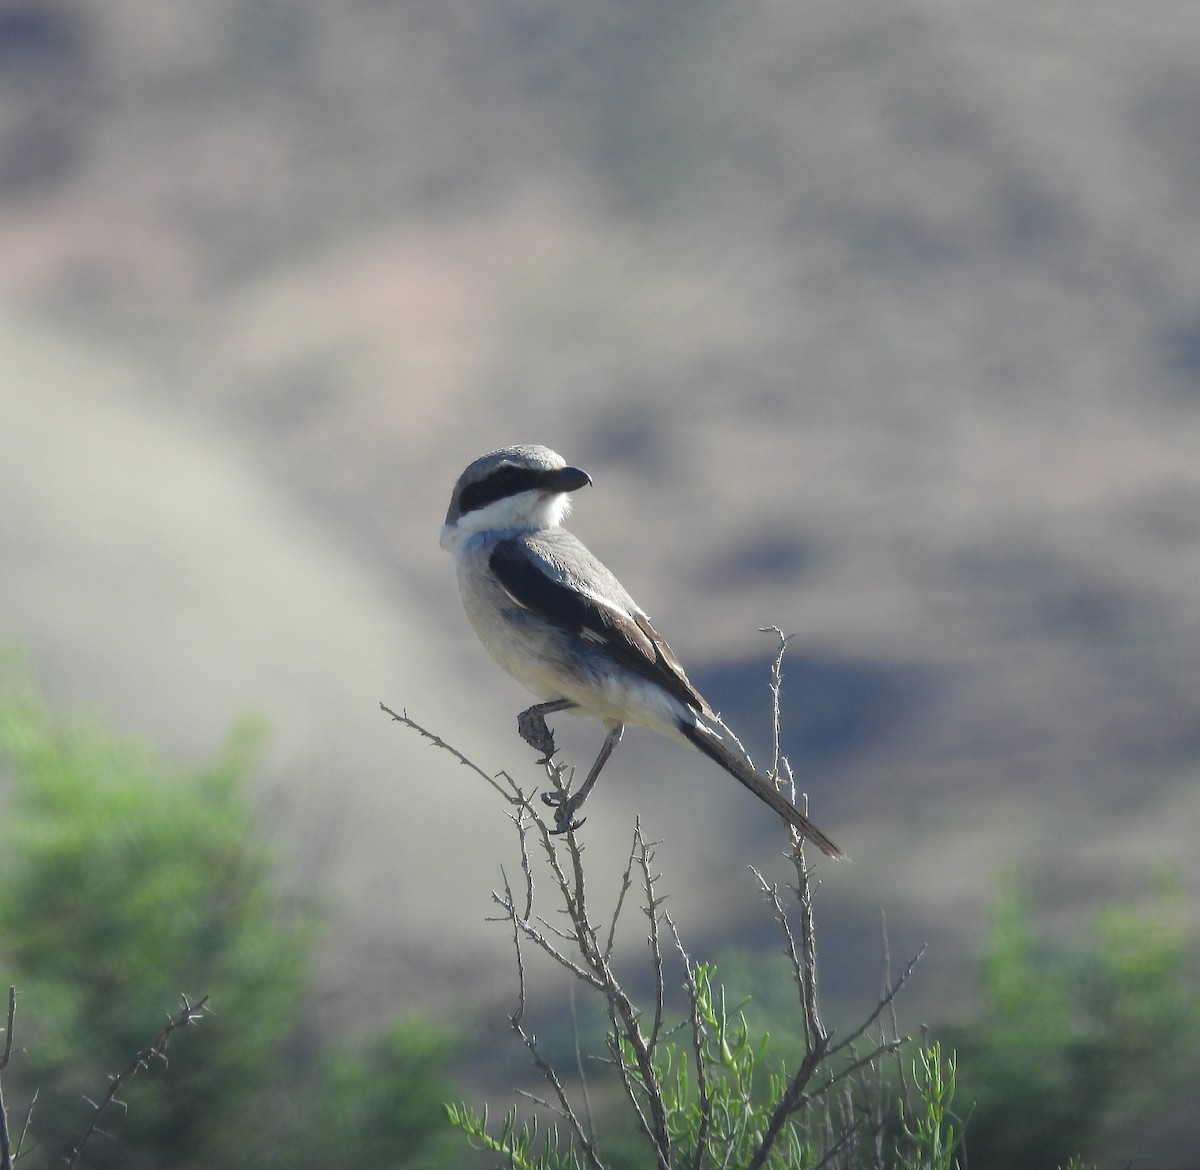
(543, 587)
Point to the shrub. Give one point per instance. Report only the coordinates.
(126, 882)
(1079, 1041)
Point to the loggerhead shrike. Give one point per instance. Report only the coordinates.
(560, 623)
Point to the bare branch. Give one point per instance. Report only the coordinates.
(563, 1107)
(594, 967)
(8, 1033)
(188, 1014)
(697, 1029)
(652, 904)
(512, 795)
(6, 1157)
(803, 958)
(885, 1049)
(623, 1014)
(882, 1005)
(525, 927)
(522, 819)
(776, 691)
(793, 1097)
(25, 1126)
(843, 1104)
(814, 1028)
(579, 1069)
(626, 885)
(771, 892)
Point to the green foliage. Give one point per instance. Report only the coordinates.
(375, 1104)
(125, 883)
(521, 1144)
(930, 1129)
(721, 1070)
(721, 1090)
(1079, 1041)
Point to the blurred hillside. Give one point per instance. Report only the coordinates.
(876, 321)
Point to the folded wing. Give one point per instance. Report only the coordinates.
(538, 577)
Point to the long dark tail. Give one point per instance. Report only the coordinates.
(740, 769)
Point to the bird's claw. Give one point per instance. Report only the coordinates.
(533, 729)
(564, 812)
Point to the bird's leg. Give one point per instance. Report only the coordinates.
(564, 814)
(531, 724)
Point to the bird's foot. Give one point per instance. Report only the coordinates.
(533, 729)
(565, 807)
(564, 819)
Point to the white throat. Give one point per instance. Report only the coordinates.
(530, 511)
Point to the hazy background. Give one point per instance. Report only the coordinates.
(878, 321)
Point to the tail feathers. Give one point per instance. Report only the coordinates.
(713, 747)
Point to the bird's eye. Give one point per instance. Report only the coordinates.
(504, 481)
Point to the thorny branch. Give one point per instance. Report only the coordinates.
(157, 1049)
(885, 1003)
(517, 1021)
(804, 968)
(511, 794)
(8, 1032)
(702, 1073)
(587, 953)
(6, 1154)
(776, 691)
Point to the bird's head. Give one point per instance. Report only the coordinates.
(513, 489)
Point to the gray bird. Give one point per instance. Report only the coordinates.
(562, 625)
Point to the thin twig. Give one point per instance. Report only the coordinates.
(516, 1019)
(25, 1126)
(838, 1146)
(6, 1158)
(563, 1107)
(512, 796)
(885, 983)
(623, 1013)
(808, 949)
(189, 1014)
(816, 1039)
(521, 819)
(791, 1100)
(771, 892)
(776, 691)
(884, 1049)
(8, 1033)
(652, 904)
(881, 1006)
(526, 928)
(579, 1069)
(703, 1087)
(7, 1155)
(626, 885)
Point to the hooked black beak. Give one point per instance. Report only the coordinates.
(567, 479)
